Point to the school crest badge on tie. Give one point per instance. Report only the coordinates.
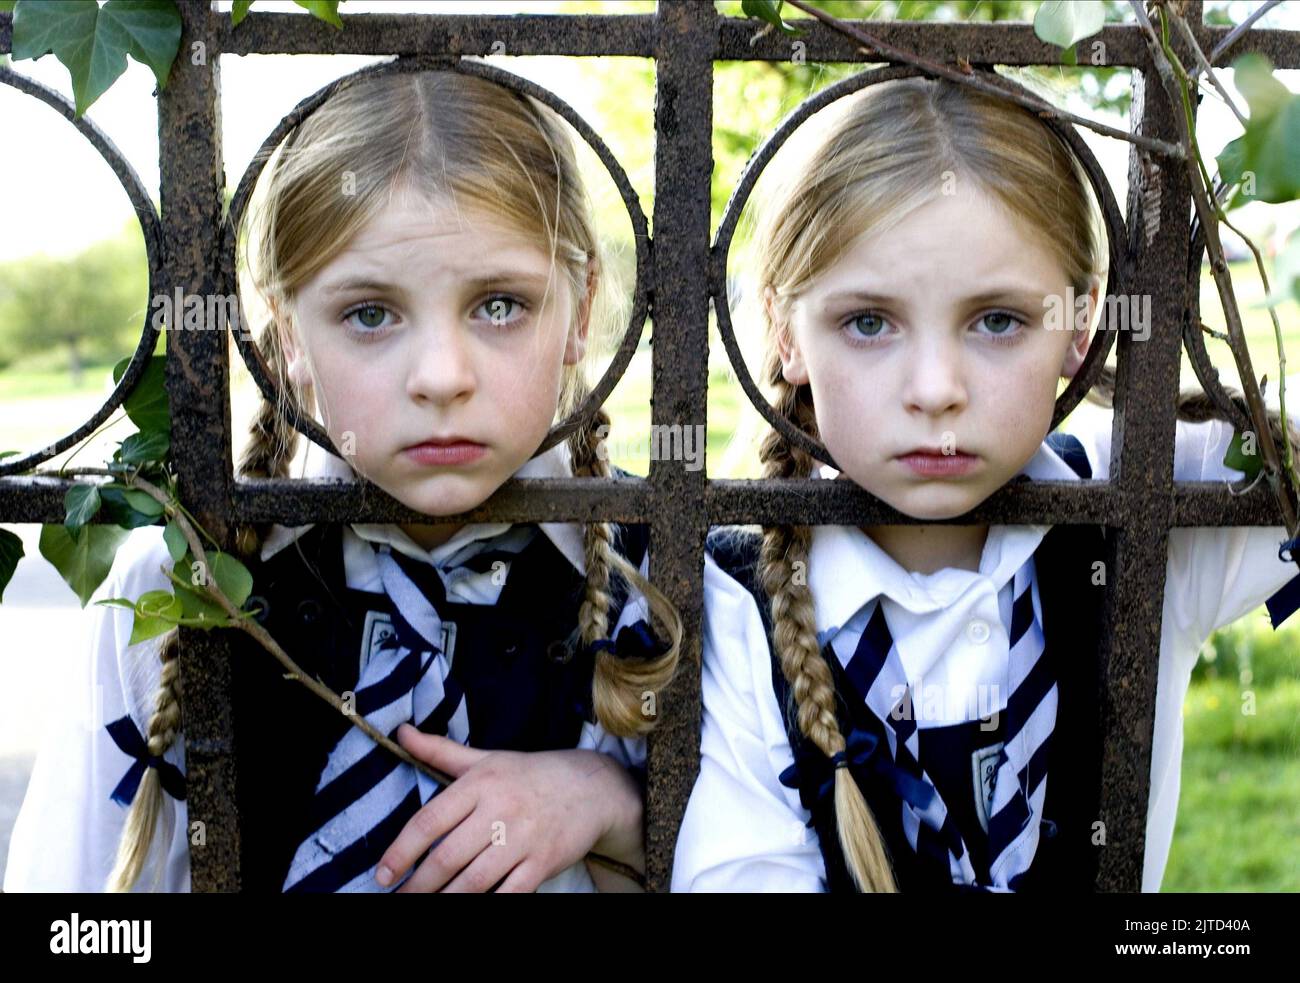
(984, 779)
(378, 629)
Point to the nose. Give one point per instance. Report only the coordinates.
(442, 368)
(934, 382)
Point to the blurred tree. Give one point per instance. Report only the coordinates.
(92, 304)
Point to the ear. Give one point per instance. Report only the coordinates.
(297, 367)
(575, 347)
(792, 362)
(1080, 336)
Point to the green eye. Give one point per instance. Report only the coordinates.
(867, 325)
(371, 316)
(999, 322)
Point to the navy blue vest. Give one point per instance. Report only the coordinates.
(1066, 859)
(527, 682)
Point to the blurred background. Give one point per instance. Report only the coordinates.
(74, 294)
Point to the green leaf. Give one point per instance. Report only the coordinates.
(117, 602)
(83, 560)
(1265, 159)
(155, 613)
(4, 454)
(142, 448)
(195, 603)
(1237, 458)
(239, 11)
(326, 10)
(11, 551)
(81, 504)
(147, 405)
(93, 41)
(769, 11)
(120, 507)
(232, 577)
(1063, 22)
(175, 540)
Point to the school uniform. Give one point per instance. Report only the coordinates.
(474, 639)
(967, 698)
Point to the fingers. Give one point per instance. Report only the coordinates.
(459, 850)
(442, 753)
(441, 814)
(489, 868)
(524, 879)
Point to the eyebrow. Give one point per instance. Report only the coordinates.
(484, 280)
(984, 297)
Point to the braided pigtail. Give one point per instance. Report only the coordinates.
(794, 636)
(267, 455)
(619, 686)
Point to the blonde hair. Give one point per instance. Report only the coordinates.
(443, 134)
(885, 154)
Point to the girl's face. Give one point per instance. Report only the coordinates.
(436, 325)
(931, 336)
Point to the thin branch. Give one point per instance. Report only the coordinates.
(1190, 38)
(1233, 36)
(1040, 106)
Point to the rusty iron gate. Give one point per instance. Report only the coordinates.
(680, 273)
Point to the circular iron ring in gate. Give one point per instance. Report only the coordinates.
(293, 414)
(149, 225)
(1116, 235)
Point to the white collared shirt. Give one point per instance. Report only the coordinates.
(745, 831)
(67, 832)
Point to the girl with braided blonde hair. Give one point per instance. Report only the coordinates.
(424, 244)
(914, 707)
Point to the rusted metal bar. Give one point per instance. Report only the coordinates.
(1142, 459)
(198, 387)
(680, 382)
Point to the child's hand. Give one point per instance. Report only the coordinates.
(519, 816)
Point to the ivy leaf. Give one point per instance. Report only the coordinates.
(117, 602)
(1063, 22)
(195, 603)
(232, 577)
(147, 405)
(93, 41)
(143, 448)
(1266, 155)
(155, 613)
(128, 508)
(326, 10)
(1237, 458)
(769, 11)
(11, 551)
(175, 541)
(239, 11)
(83, 560)
(81, 504)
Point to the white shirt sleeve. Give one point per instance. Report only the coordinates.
(68, 829)
(743, 830)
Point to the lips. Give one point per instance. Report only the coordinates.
(444, 451)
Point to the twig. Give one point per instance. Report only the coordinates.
(1233, 36)
(1204, 64)
(1040, 106)
(1212, 333)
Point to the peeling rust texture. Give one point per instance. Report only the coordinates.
(1138, 505)
(189, 142)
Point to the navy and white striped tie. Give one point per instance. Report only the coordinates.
(1020, 787)
(365, 795)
